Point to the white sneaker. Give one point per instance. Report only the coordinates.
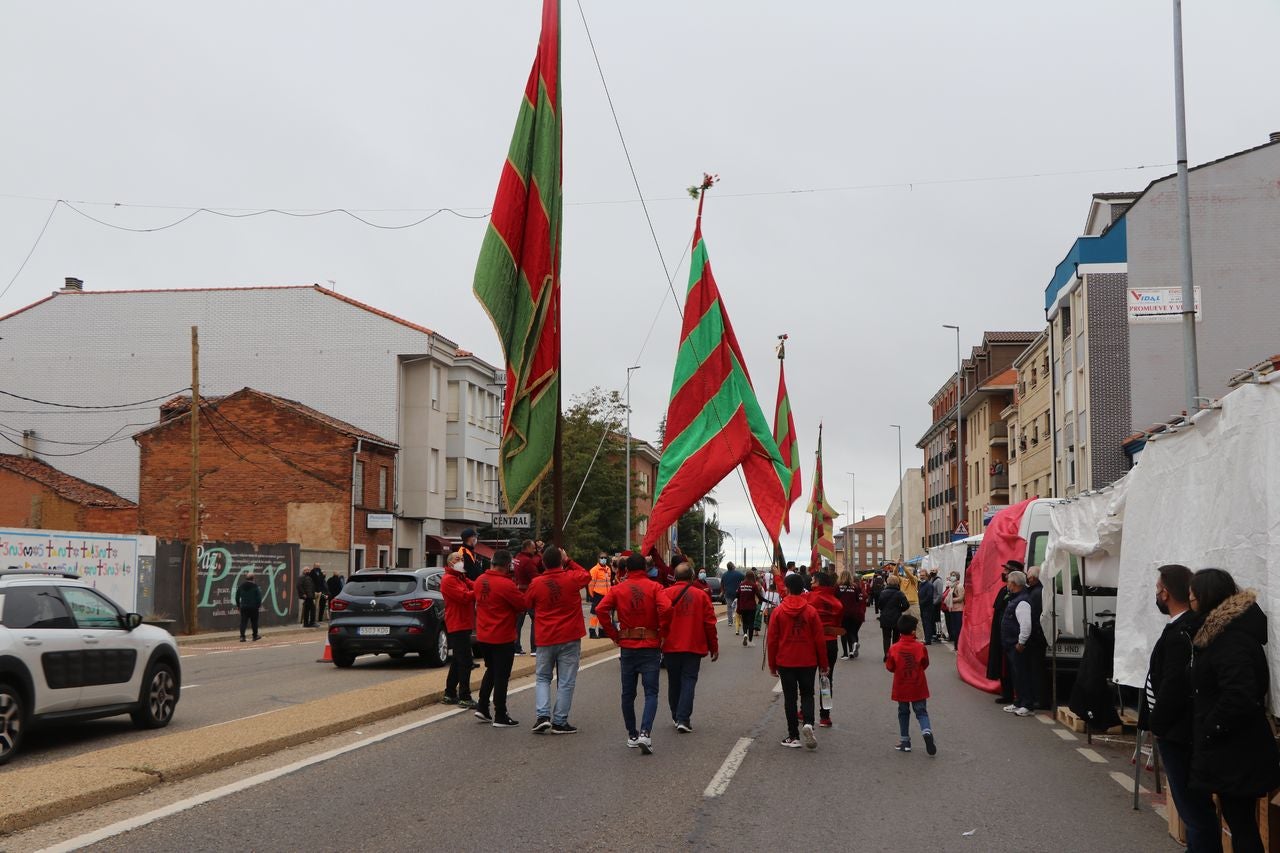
(1009, 709)
(633, 742)
(646, 743)
(806, 734)
(1023, 712)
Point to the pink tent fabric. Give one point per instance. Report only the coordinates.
(1000, 543)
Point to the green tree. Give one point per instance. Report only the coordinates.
(690, 535)
(598, 520)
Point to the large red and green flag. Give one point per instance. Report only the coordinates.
(714, 421)
(784, 435)
(518, 274)
(822, 533)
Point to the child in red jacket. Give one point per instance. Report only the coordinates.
(907, 660)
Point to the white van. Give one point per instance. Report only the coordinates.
(1091, 604)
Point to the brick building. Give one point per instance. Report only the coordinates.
(862, 545)
(35, 495)
(271, 471)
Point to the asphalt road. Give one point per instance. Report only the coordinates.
(998, 782)
(221, 683)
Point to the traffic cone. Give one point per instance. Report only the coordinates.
(327, 657)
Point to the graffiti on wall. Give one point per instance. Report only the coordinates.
(222, 567)
(108, 563)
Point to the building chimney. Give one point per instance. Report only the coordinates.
(28, 444)
(70, 283)
(1275, 136)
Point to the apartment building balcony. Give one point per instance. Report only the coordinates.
(999, 484)
(998, 434)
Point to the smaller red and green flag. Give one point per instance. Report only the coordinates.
(822, 533)
(784, 435)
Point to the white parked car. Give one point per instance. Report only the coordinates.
(69, 652)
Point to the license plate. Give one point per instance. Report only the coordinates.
(374, 631)
(1074, 649)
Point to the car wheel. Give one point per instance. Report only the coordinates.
(343, 661)
(439, 652)
(12, 718)
(159, 697)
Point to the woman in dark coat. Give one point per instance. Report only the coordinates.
(892, 603)
(1234, 753)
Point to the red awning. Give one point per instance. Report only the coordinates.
(439, 545)
(485, 550)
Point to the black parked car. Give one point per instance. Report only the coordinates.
(390, 612)
(716, 590)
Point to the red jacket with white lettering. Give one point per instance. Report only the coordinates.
(907, 660)
(824, 600)
(688, 620)
(636, 601)
(557, 606)
(498, 603)
(459, 601)
(795, 635)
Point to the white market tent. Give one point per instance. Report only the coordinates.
(949, 556)
(1088, 527)
(1204, 495)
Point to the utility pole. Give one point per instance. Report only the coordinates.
(853, 515)
(193, 546)
(627, 537)
(1190, 357)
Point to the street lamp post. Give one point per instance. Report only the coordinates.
(959, 437)
(848, 513)
(853, 508)
(627, 537)
(902, 501)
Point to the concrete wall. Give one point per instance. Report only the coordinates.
(1235, 220)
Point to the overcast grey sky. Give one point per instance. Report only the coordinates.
(410, 106)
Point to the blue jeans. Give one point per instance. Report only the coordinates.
(1194, 807)
(731, 607)
(644, 664)
(682, 680)
(564, 659)
(921, 710)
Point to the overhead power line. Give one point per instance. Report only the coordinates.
(163, 397)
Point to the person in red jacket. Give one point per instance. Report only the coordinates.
(823, 599)
(688, 623)
(797, 649)
(499, 604)
(556, 600)
(459, 619)
(853, 596)
(635, 601)
(907, 660)
(527, 565)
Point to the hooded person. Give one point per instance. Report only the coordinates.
(1234, 752)
(797, 648)
(499, 603)
(459, 620)
(634, 602)
(688, 622)
(823, 598)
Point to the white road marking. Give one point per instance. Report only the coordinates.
(1046, 720)
(1126, 781)
(142, 820)
(1092, 756)
(720, 782)
(249, 648)
(190, 686)
(1064, 734)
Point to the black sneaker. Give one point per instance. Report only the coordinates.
(448, 700)
(684, 728)
(505, 722)
(903, 746)
(564, 729)
(542, 725)
(929, 746)
(482, 714)
(466, 702)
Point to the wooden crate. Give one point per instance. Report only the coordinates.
(1079, 725)
(1177, 829)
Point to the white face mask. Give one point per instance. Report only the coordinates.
(602, 561)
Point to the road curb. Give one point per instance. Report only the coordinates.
(61, 788)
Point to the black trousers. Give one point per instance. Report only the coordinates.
(851, 628)
(748, 623)
(797, 682)
(498, 660)
(458, 682)
(1035, 664)
(248, 615)
(890, 637)
(308, 612)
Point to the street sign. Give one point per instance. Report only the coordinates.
(962, 530)
(381, 521)
(518, 520)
